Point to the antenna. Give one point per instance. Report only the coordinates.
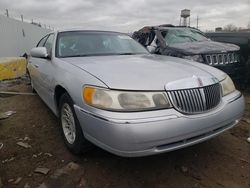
(7, 12)
(197, 22)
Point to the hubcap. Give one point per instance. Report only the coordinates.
(68, 123)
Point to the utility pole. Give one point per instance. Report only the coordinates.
(22, 18)
(7, 12)
(197, 23)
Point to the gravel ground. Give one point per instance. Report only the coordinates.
(220, 162)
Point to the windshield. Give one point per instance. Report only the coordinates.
(80, 43)
(173, 36)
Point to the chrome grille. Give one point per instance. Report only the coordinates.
(221, 59)
(196, 100)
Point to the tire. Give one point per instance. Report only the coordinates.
(31, 83)
(32, 87)
(72, 135)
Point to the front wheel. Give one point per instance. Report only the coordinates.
(31, 82)
(32, 86)
(70, 126)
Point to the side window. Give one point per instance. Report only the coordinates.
(151, 38)
(49, 42)
(140, 37)
(143, 39)
(154, 41)
(42, 41)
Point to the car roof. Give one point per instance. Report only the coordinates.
(166, 27)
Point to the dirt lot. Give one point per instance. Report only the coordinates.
(221, 162)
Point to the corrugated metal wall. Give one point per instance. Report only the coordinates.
(17, 38)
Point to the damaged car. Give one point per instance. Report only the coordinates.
(108, 90)
(191, 43)
(242, 39)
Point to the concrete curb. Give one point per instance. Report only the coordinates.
(12, 67)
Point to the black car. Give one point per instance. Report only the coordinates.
(192, 44)
(241, 39)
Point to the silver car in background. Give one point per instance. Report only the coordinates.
(108, 90)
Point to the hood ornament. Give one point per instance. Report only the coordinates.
(191, 82)
(199, 81)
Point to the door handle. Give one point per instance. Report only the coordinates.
(36, 65)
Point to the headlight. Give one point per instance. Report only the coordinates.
(227, 86)
(197, 58)
(124, 100)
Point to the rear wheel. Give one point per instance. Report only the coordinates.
(70, 126)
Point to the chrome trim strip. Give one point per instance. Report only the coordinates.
(127, 121)
(234, 98)
(221, 59)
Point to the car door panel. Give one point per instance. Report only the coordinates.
(33, 67)
(46, 76)
(35, 73)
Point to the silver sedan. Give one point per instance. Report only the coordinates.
(108, 90)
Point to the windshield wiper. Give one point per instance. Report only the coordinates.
(127, 53)
(80, 55)
(101, 54)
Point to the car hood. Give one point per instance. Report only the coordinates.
(144, 72)
(205, 47)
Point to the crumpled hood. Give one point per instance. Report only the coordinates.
(205, 47)
(142, 72)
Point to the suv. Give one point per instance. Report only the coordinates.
(241, 39)
(192, 44)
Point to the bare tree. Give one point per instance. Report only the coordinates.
(248, 26)
(230, 28)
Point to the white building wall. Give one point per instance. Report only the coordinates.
(17, 37)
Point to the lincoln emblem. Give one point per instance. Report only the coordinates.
(199, 81)
(200, 84)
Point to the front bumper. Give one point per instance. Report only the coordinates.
(148, 133)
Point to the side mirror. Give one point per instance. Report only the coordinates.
(39, 52)
(151, 49)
